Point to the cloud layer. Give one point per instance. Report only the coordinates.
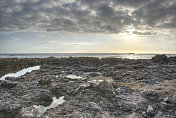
(87, 16)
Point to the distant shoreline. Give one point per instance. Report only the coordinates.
(98, 55)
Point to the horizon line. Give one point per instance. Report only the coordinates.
(87, 53)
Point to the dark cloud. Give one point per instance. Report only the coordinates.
(144, 33)
(105, 11)
(158, 13)
(131, 3)
(91, 16)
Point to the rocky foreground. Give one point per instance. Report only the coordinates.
(91, 87)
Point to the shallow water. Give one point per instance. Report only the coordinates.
(42, 109)
(71, 76)
(21, 72)
(98, 80)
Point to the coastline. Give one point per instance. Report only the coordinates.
(96, 55)
(128, 87)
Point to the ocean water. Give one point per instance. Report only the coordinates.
(98, 55)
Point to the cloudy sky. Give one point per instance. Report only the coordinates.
(82, 26)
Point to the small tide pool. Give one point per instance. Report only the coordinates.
(20, 73)
(75, 77)
(55, 102)
(98, 80)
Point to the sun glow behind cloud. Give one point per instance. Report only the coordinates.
(130, 30)
(87, 26)
(39, 42)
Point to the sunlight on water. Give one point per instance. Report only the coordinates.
(136, 56)
(21, 72)
(98, 55)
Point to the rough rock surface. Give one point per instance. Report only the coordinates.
(160, 58)
(105, 88)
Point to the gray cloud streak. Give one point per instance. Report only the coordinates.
(88, 16)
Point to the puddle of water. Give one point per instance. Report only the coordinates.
(98, 80)
(96, 73)
(74, 77)
(42, 109)
(21, 72)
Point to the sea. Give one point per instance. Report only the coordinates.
(98, 55)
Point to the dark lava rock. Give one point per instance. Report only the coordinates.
(38, 96)
(118, 77)
(9, 65)
(166, 107)
(172, 60)
(89, 100)
(15, 79)
(151, 95)
(92, 106)
(138, 66)
(94, 74)
(128, 107)
(124, 89)
(9, 110)
(8, 84)
(170, 99)
(106, 89)
(150, 111)
(160, 58)
(56, 90)
(89, 69)
(44, 81)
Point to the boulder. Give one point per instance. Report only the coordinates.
(94, 74)
(44, 81)
(129, 107)
(170, 99)
(166, 107)
(160, 58)
(9, 110)
(93, 107)
(118, 77)
(8, 84)
(38, 96)
(172, 60)
(150, 111)
(106, 89)
(151, 95)
(123, 89)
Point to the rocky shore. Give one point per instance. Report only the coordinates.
(86, 87)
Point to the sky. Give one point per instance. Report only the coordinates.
(88, 26)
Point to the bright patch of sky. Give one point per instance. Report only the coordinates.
(43, 42)
(82, 26)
